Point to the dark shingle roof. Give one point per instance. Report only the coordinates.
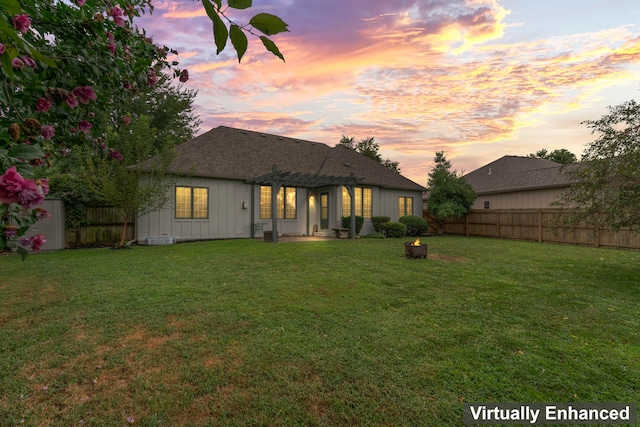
(514, 173)
(230, 153)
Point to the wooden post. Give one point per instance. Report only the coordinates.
(466, 224)
(351, 189)
(498, 223)
(540, 225)
(275, 189)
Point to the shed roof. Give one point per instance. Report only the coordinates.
(230, 153)
(516, 173)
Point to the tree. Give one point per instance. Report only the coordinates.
(146, 125)
(605, 189)
(450, 195)
(371, 149)
(561, 155)
(170, 108)
(130, 191)
(66, 67)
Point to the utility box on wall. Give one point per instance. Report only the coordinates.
(53, 227)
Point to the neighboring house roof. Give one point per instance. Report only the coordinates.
(230, 153)
(515, 173)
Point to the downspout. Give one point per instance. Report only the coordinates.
(253, 211)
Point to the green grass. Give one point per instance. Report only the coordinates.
(248, 333)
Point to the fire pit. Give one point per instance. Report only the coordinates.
(415, 249)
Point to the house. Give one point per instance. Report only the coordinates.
(514, 182)
(242, 183)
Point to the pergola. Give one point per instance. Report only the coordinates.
(276, 179)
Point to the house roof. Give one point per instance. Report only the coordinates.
(230, 153)
(515, 173)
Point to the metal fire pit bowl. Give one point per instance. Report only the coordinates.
(415, 251)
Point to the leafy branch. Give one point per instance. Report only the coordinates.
(265, 23)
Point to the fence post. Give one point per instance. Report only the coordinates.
(540, 225)
(498, 224)
(466, 224)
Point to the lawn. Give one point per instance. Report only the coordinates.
(248, 333)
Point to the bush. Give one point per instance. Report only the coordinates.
(416, 226)
(375, 235)
(346, 222)
(394, 229)
(378, 221)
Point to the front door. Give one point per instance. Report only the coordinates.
(324, 211)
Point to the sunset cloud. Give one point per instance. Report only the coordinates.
(419, 76)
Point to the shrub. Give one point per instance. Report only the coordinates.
(394, 229)
(346, 222)
(416, 225)
(378, 221)
(375, 235)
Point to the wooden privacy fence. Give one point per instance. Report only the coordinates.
(104, 227)
(541, 225)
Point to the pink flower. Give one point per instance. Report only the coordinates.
(11, 184)
(17, 63)
(31, 194)
(126, 120)
(41, 214)
(117, 14)
(10, 231)
(47, 132)
(2, 48)
(81, 2)
(71, 101)
(112, 48)
(115, 154)
(35, 243)
(84, 126)
(184, 76)
(43, 105)
(22, 23)
(152, 79)
(110, 36)
(29, 62)
(43, 184)
(84, 94)
(126, 85)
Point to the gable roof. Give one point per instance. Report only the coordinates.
(516, 173)
(230, 153)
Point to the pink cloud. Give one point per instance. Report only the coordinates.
(419, 76)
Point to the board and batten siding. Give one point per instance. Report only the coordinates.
(385, 203)
(388, 205)
(230, 214)
(227, 217)
(532, 199)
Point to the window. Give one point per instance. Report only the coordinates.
(363, 199)
(405, 206)
(286, 201)
(486, 204)
(192, 202)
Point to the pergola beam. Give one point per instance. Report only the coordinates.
(277, 179)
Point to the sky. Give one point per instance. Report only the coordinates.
(477, 79)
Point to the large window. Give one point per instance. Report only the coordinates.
(285, 202)
(363, 199)
(192, 202)
(405, 206)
